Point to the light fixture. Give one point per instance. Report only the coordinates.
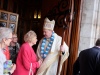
(35, 14)
(39, 14)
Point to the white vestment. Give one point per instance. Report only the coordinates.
(50, 63)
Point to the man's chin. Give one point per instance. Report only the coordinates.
(47, 37)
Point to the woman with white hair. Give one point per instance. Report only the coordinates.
(5, 39)
(27, 61)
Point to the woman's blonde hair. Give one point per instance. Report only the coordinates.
(28, 37)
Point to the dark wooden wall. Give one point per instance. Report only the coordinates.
(54, 9)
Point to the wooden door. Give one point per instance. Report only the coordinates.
(71, 10)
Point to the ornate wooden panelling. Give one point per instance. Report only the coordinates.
(59, 12)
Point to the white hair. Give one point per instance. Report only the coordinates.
(4, 32)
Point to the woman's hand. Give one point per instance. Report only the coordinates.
(13, 68)
(40, 62)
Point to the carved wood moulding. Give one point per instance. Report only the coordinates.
(59, 12)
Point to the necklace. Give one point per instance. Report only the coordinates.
(44, 51)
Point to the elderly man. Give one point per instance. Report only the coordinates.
(49, 48)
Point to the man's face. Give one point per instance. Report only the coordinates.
(14, 38)
(47, 33)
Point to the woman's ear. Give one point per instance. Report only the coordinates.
(4, 40)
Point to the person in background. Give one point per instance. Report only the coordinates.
(49, 48)
(14, 48)
(88, 62)
(5, 39)
(27, 62)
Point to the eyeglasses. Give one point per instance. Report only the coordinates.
(9, 38)
(14, 37)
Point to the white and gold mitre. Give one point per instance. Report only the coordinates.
(48, 24)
